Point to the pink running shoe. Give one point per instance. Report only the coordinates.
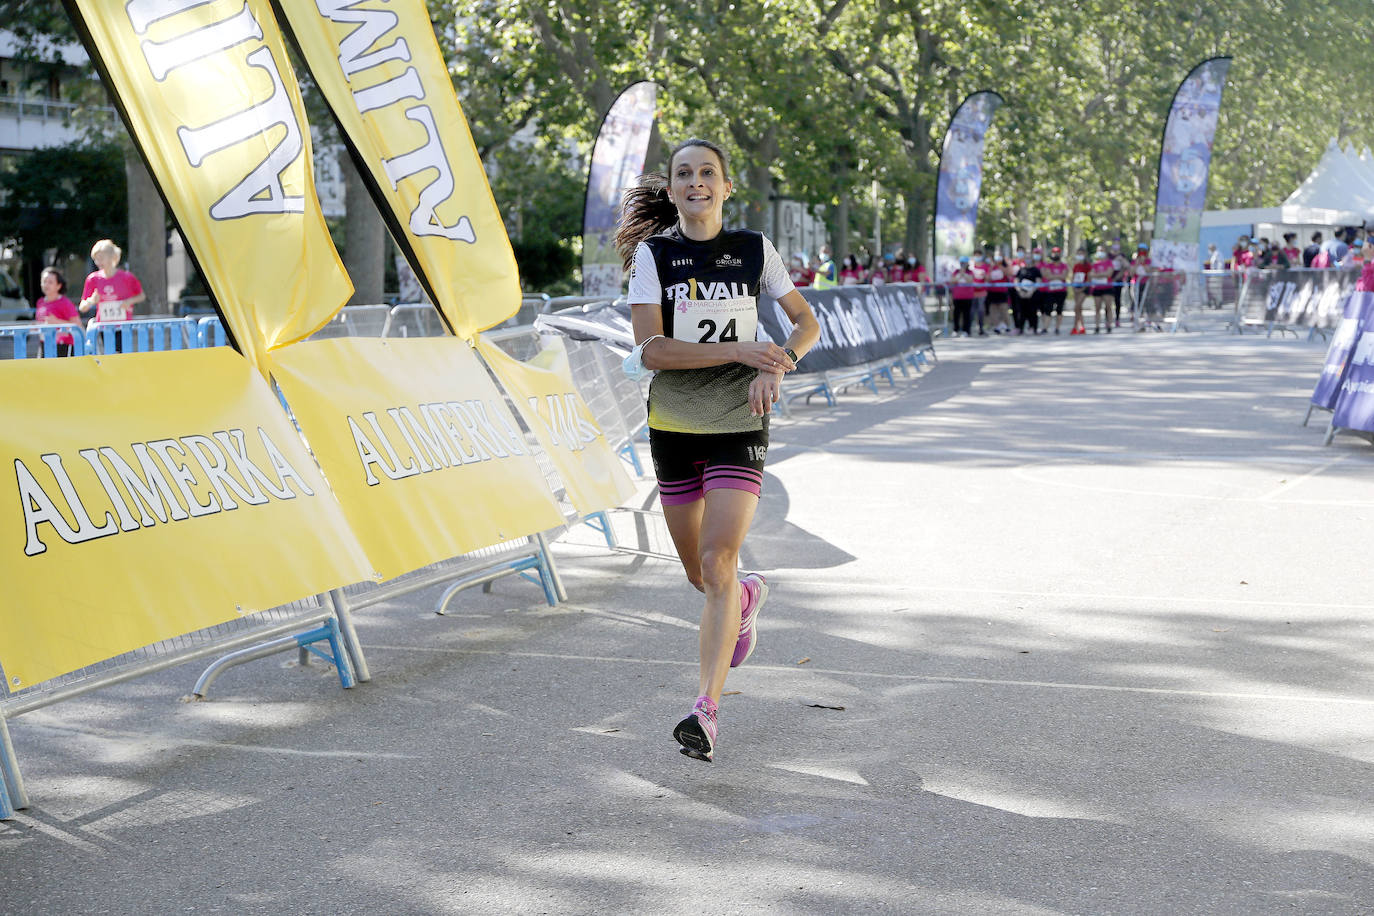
(755, 593)
(697, 732)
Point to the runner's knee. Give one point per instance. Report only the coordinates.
(718, 568)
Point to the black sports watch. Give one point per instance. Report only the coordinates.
(792, 355)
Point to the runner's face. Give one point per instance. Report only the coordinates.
(104, 259)
(698, 186)
(50, 285)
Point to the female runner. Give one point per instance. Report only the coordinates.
(694, 288)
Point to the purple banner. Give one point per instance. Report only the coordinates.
(617, 160)
(1185, 160)
(1357, 315)
(961, 181)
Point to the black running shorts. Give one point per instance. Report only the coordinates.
(689, 464)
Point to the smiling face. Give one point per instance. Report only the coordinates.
(697, 185)
(52, 287)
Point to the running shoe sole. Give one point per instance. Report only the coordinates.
(693, 738)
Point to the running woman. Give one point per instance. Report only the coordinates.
(694, 288)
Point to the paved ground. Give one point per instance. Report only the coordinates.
(1097, 613)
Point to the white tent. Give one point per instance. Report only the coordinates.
(1339, 192)
(1339, 182)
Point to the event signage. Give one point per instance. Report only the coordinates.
(1299, 297)
(1354, 408)
(127, 503)
(213, 106)
(1359, 308)
(859, 324)
(617, 160)
(380, 69)
(960, 181)
(418, 445)
(548, 401)
(1185, 160)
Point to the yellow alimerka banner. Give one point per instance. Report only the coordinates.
(381, 71)
(147, 508)
(212, 103)
(551, 406)
(418, 445)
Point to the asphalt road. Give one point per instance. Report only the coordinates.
(1066, 626)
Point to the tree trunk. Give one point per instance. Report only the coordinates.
(365, 245)
(918, 216)
(146, 248)
(839, 233)
(761, 196)
(1023, 222)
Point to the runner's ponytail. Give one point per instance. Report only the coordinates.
(645, 211)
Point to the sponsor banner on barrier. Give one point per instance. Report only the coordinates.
(418, 445)
(380, 69)
(1359, 311)
(213, 106)
(1185, 160)
(859, 324)
(549, 402)
(147, 508)
(1299, 298)
(1354, 407)
(617, 160)
(960, 181)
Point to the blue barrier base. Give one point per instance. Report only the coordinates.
(329, 632)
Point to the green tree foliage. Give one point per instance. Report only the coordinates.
(60, 199)
(817, 99)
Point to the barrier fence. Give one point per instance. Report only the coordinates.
(1293, 300)
(616, 402)
(868, 333)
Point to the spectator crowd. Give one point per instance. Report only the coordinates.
(1000, 291)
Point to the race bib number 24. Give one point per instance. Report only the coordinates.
(715, 320)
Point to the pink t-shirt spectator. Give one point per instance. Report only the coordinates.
(60, 308)
(112, 290)
(961, 284)
(1102, 271)
(1053, 273)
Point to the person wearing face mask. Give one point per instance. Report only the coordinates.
(1027, 299)
(1056, 273)
(1100, 288)
(916, 271)
(693, 295)
(999, 277)
(1078, 277)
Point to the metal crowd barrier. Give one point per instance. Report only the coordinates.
(1293, 300)
(357, 321)
(303, 623)
(29, 340)
(140, 335)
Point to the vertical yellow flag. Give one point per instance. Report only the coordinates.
(209, 97)
(381, 71)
